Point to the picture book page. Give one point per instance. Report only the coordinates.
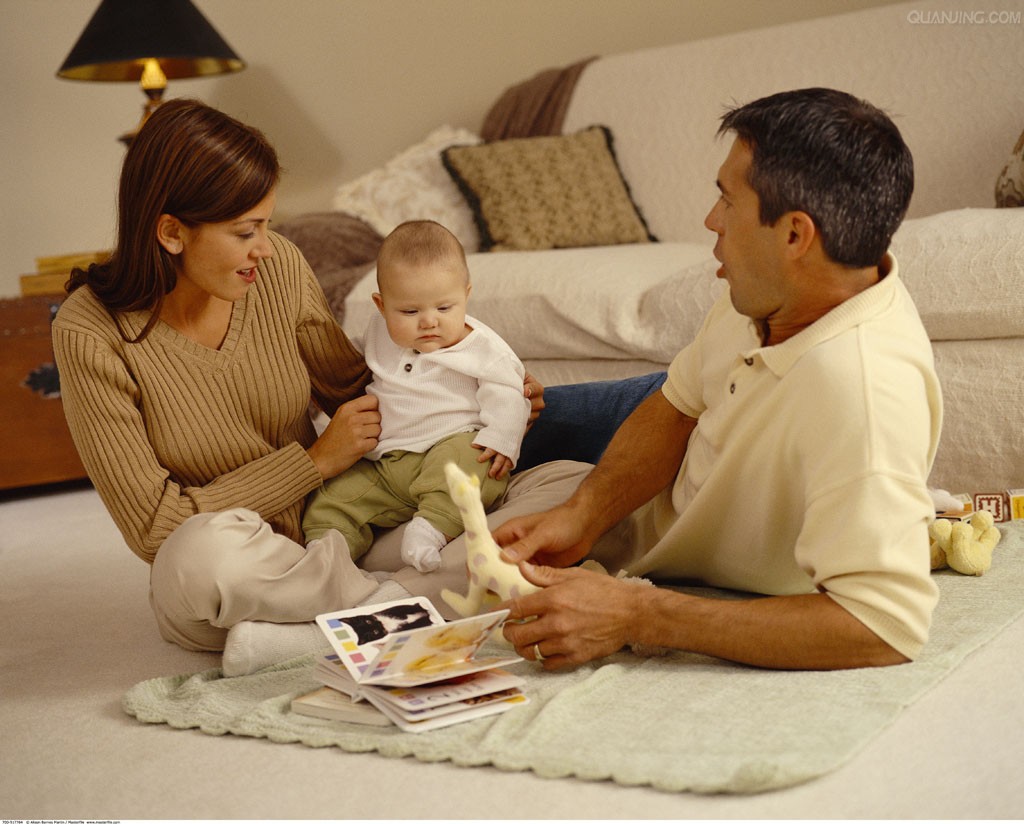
(422, 656)
(356, 634)
(407, 642)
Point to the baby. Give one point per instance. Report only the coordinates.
(449, 389)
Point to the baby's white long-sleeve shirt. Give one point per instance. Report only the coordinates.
(476, 384)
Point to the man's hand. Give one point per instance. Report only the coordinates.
(556, 538)
(642, 459)
(350, 434)
(582, 615)
(579, 616)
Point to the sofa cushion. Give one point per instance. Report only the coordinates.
(413, 185)
(624, 302)
(964, 269)
(547, 192)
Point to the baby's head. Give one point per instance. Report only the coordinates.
(423, 284)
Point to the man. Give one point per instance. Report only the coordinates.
(788, 451)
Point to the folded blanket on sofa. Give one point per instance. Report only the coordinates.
(534, 107)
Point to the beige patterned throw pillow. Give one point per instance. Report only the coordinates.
(547, 192)
(1010, 185)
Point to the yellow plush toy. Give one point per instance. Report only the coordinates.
(491, 579)
(965, 547)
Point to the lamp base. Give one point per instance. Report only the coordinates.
(154, 98)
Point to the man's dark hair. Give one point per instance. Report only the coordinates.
(835, 157)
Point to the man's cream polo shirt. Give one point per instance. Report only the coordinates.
(807, 470)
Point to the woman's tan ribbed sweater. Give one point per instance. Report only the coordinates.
(168, 428)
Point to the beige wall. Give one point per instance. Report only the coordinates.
(338, 85)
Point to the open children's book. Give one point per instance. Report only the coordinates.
(418, 670)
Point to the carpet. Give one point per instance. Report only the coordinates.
(678, 722)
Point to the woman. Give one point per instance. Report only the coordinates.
(187, 364)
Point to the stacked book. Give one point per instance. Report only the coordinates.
(401, 663)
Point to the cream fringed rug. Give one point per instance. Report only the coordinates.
(679, 722)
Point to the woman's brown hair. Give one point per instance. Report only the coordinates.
(188, 160)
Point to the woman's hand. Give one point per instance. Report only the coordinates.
(533, 390)
(350, 434)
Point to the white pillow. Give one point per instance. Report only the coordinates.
(414, 185)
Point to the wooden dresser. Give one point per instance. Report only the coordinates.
(36, 444)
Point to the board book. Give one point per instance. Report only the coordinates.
(415, 668)
(326, 702)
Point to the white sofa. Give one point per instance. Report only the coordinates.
(952, 84)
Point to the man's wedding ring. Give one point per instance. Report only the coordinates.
(536, 652)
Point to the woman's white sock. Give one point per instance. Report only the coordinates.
(253, 645)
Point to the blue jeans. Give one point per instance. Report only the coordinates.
(579, 419)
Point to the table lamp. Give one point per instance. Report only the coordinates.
(149, 41)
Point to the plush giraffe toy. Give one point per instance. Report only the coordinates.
(491, 579)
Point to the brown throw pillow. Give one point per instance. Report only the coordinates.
(547, 192)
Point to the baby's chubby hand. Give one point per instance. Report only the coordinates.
(501, 465)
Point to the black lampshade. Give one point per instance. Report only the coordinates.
(122, 34)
